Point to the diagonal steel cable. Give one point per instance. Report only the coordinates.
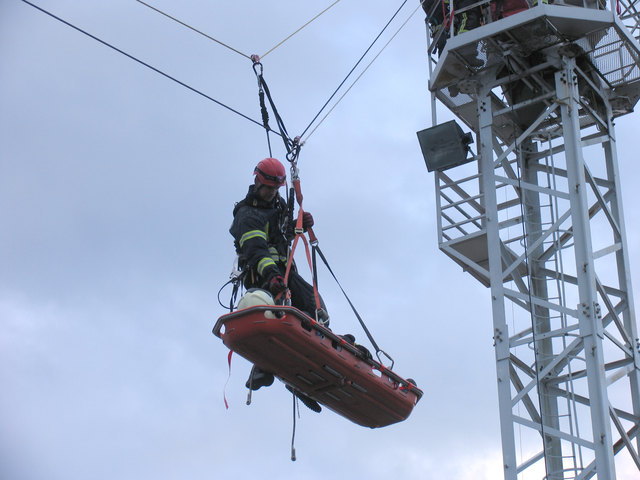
(146, 65)
(352, 69)
(194, 29)
(361, 74)
(273, 48)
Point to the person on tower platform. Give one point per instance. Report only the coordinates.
(262, 232)
(469, 19)
(436, 12)
(438, 21)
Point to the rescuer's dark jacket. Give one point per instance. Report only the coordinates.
(258, 232)
(262, 235)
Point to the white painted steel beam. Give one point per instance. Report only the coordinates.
(530, 216)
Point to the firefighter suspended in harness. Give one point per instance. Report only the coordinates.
(263, 229)
(281, 324)
(289, 337)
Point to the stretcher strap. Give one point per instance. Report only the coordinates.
(379, 351)
(309, 261)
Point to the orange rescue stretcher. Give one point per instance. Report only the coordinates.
(312, 359)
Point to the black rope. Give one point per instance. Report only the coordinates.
(234, 293)
(293, 433)
(354, 67)
(265, 118)
(290, 223)
(288, 142)
(263, 107)
(315, 249)
(220, 291)
(146, 64)
(292, 146)
(250, 392)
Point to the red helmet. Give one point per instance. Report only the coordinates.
(270, 172)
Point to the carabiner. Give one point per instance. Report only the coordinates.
(378, 352)
(292, 155)
(256, 63)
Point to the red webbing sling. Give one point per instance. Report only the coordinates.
(224, 391)
(299, 230)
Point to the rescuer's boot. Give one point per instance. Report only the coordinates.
(259, 378)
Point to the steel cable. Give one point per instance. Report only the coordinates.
(352, 69)
(359, 76)
(195, 30)
(273, 48)
(148, 65)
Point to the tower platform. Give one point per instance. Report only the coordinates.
(526, 42)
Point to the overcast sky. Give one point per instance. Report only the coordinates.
(116, 191)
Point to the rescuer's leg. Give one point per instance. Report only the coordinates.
(259, 378)
(303, 298)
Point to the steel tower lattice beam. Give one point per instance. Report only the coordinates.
(538, 219)
(590, 326)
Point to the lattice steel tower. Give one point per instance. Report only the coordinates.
(536, 216)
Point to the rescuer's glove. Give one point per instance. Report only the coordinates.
(276, 285)
(307, 221)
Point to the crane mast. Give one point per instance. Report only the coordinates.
(536, 215)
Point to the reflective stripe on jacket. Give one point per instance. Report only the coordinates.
(259, 241)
